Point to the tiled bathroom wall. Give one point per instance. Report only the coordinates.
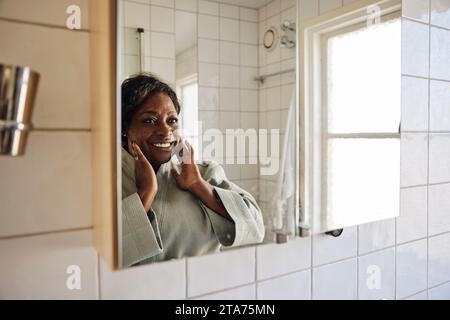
(45, 198)
(276, 92)
(157, 18)
(228, 93)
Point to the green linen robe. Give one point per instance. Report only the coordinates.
(179, 224)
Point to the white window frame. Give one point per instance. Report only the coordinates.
(179, 89)
(311, 36)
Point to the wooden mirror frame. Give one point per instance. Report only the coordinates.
(103, 77)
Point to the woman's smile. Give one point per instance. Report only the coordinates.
(162, 146)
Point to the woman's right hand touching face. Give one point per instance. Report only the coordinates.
(146, 182)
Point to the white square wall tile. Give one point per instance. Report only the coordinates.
(208, 50)
(163, 280)
(162, 19)
(54, 176)
(262, 14)
(235, 267)
(415, 52)
(130, 42)
(414, 160)
(41, 267)
(411, 271)
(229, 52)
(209, 120)
(208, 74)
(296, 286)
(414, 104)
(440, 13)
(273, 121)
(416, 9)
(376, 235)
(439, 157)
(337, 281)
(165, 69)
(208, 26)
(229, 76)
(228, 11)
(208, 98)
(440, 54)
(327, 249)
(247, 78)
(248, 14)
(249, 100)
(249, 55)
(163, 45)
(440, 292)
(377, 275)
(248, 32)
(277, 259)
(289, 15)
(285, 4)
(241, 293)
(273, 8)
(307, 9)
(439, 105)
(163, 3)
(229, 29)
(136, 15)
(208, 7)
(412, 222)
(439, 259)
(187, 5)
(229, 99)
(228, 121)
(60, 56)
(439, 208)
(273, 98)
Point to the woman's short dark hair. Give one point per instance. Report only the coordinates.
(135, 91)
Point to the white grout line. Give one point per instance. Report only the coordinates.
(428, 144)
(44, 233)
(426, 23)
(42, 24)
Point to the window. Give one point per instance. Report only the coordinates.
(362, 159)
(351, 118)
(187, 91)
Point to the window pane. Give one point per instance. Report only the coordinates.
(189, 109)
(364, 79)
(363, 180)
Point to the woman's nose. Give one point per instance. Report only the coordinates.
(164, 130)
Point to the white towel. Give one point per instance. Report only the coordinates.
(283, 202)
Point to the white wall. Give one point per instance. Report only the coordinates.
(46, 203)
(228, 63)
(275, 93)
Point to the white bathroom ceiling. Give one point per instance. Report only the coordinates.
(254, 4)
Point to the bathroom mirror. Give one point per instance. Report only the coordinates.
(350, 115)
(229, 138)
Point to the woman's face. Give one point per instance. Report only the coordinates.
(153, 127)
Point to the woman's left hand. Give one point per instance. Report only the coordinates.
(190, 175)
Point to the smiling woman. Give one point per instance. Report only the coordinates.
(172, 210)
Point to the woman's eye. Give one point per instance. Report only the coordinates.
(173, 120)
(150, 121)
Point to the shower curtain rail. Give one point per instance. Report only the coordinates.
(263, 77)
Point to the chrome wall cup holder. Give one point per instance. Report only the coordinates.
(18, 86)
(287, 39)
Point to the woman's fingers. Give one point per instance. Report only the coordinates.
(191, 152)
(138, 155)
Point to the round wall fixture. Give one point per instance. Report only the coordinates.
(269, 39)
